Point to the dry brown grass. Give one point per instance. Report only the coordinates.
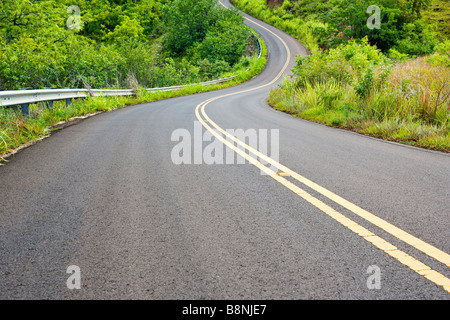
(426, 85)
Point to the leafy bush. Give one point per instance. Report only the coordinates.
(442, 55)
(396, 55)
(187, 22)
(210, 69)
(225, 41)
(354, 62)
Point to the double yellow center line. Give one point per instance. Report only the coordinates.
(377, 241)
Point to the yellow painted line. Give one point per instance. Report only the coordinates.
(377, 241)
(426, 248)
(369, 236)
(283, 174)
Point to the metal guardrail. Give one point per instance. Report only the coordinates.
(26, 97)
(259, 46)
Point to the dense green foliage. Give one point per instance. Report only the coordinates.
(438, 14)
(390, 81)
(150, 42)
(327, 23)
(401, 26)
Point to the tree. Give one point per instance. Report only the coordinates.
(187, 22)
(348, 20)
(226, 41)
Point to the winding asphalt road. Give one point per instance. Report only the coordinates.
(355, 218)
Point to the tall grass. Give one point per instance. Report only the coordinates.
(406, 109)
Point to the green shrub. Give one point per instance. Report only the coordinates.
(187, 22)
(442, 55)
(226, 41)
(348, 63)
(398, 56)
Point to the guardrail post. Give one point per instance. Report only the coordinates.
(26, 106)
(68, 100)
(50, 103)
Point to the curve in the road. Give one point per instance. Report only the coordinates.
(377, 241)
(107, 196)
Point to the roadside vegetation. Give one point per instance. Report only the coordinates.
(392, 82)
(109, 43)
(17, 130)
(121, 44)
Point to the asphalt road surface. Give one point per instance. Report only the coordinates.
(353, 217)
